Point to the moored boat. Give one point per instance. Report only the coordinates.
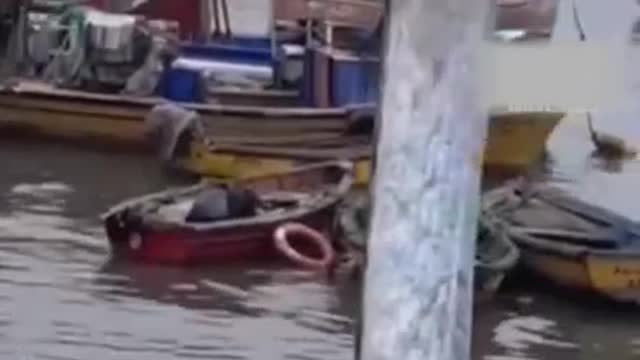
(114, 119)
(161, 227)
(237, 161)
(575, 244)
(252, 134)
(515, 140)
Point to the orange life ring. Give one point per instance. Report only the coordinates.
(282, 244)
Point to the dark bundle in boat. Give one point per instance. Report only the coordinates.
(573, 243)
(193, 225)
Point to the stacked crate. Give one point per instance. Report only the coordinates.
(335, 74)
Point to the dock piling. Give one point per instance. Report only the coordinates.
(419, 275)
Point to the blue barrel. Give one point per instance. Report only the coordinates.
(183, 85)
(355, 81)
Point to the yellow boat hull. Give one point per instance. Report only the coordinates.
(616, 276)
(227, 165)
(515, 140)
(110, 119)
(519, 139)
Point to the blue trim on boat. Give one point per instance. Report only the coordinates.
(229, 53)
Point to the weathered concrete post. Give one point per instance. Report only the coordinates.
(419, 276)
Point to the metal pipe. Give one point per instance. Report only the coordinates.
(206, 16)
(419, 275)
(225, 17)
(216, 19)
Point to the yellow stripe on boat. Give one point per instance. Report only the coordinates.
(514, 140)
(565, 270)
(518, 139)
(227, 165)
(616, 275)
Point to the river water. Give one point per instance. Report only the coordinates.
(62, 298)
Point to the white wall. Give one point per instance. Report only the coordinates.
(250, 17)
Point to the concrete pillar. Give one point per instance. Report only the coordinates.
(419, 276)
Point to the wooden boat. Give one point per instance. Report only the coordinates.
(496, 254)
(573, 243)
(153, 228)
(118, 120)
(237, 161)
(515, 140)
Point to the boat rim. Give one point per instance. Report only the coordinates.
(37, 89)
(338, 191)
(18, 87)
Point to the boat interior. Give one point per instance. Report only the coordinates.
(551, 215)
(269, 197)
(178, 209)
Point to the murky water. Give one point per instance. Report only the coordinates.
(62, 298)
(530, 320)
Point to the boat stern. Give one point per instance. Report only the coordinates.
(616, 275)
(518, 139)
(118, 231)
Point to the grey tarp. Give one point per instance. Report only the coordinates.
(166, 123)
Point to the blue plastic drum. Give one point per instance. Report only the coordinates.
(183, 85)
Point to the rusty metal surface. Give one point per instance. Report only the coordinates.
(536, 16)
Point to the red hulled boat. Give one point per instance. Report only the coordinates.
(157, 227)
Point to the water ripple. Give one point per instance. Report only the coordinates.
(520, 333)
(62, 298)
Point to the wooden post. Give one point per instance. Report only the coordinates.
(419, 276)
(15, 56)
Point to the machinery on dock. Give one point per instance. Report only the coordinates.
(70, 45)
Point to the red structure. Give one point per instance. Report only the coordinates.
(100, 4)
(185, 12)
